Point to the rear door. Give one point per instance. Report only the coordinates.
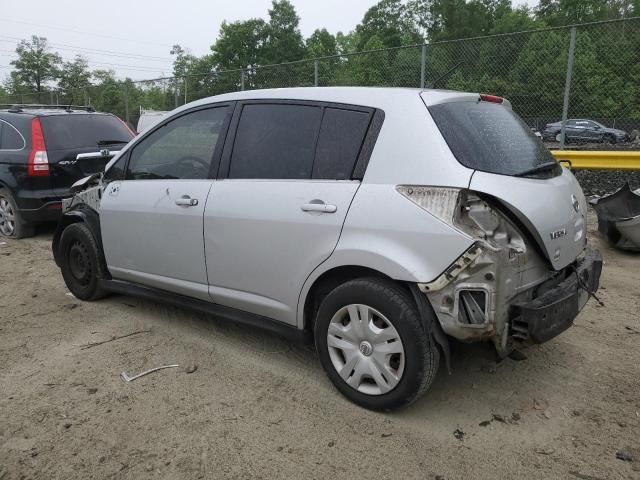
(151, 213)
(278, 211)
(68, 134)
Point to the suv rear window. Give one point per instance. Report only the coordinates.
(490, 137)
(63, 132)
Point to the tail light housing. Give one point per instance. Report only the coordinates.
(491, 98)
(38, 164)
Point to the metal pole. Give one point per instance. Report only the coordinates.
(51, 92)
(86, 97)
(185, 90)
(315, 73)
(126, 104)
(423, 65)
(175, 94)
(567, 86)
(241, 79)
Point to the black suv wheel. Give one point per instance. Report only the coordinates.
(11, 223)
(79, 262)
(373, 345)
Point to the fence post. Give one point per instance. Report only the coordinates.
(126, 104)
(315, 73)
(567, 86)
(175, 92)
(185, 90)
(241, 79)
(423, 65)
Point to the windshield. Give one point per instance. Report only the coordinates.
(63, 132)
(491, 138)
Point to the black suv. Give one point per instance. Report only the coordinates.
(43, 151)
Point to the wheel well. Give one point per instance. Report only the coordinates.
(329, 280)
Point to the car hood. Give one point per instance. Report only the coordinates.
(613, 130)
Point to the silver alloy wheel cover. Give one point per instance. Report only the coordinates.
(361, 349)
(7, 218)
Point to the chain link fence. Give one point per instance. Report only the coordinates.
(585, 72)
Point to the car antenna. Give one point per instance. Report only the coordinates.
(445, 74)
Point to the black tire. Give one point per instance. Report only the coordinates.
(609, 139)
(421, 356)
(79, 262)
(18, 227)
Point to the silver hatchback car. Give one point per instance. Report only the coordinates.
(376, 222)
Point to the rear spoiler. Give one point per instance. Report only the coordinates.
(101, 154)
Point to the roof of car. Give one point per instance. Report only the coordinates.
(48, 112)
(365, 96)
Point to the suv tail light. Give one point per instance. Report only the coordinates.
(38, 165)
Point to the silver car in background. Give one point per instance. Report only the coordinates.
(376, 222)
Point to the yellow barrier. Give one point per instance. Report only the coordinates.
(600, 160)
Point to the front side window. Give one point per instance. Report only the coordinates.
(275, 141)
(181, 149)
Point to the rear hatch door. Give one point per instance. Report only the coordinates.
(512, 165)
(96, 137)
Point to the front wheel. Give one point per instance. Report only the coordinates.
(79, 262)
(373, 345)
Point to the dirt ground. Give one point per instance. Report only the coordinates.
(259, 407)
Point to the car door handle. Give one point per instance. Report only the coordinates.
(187, 201)
(319, 207)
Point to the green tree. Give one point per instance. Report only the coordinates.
(391, 22)
(284, 41)
(35, 65)
(73, 77)
(321, 43)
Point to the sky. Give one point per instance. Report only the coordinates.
(134, 38)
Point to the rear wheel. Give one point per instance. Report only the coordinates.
(373, 345)
(79, 262)
(11, 223)
(609, 139)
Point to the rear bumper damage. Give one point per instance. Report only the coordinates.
(510, 296)
(553, 311)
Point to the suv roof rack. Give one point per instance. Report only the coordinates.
(17, 108)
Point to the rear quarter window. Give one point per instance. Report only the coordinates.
(10, 138)
(489, 137)
(65, 132)
(341, 136)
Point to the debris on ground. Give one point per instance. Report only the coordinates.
(545, 450)
(619, 218)
(459, 434)
(624, 456)
(127, 378)
(113, 338)
(191, 368)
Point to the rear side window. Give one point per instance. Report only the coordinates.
(489, 137)
(64, 132)
(275, 141)
(339, 143)
(10, 139)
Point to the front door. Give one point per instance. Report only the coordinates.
(278, 213)
(152, 217)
